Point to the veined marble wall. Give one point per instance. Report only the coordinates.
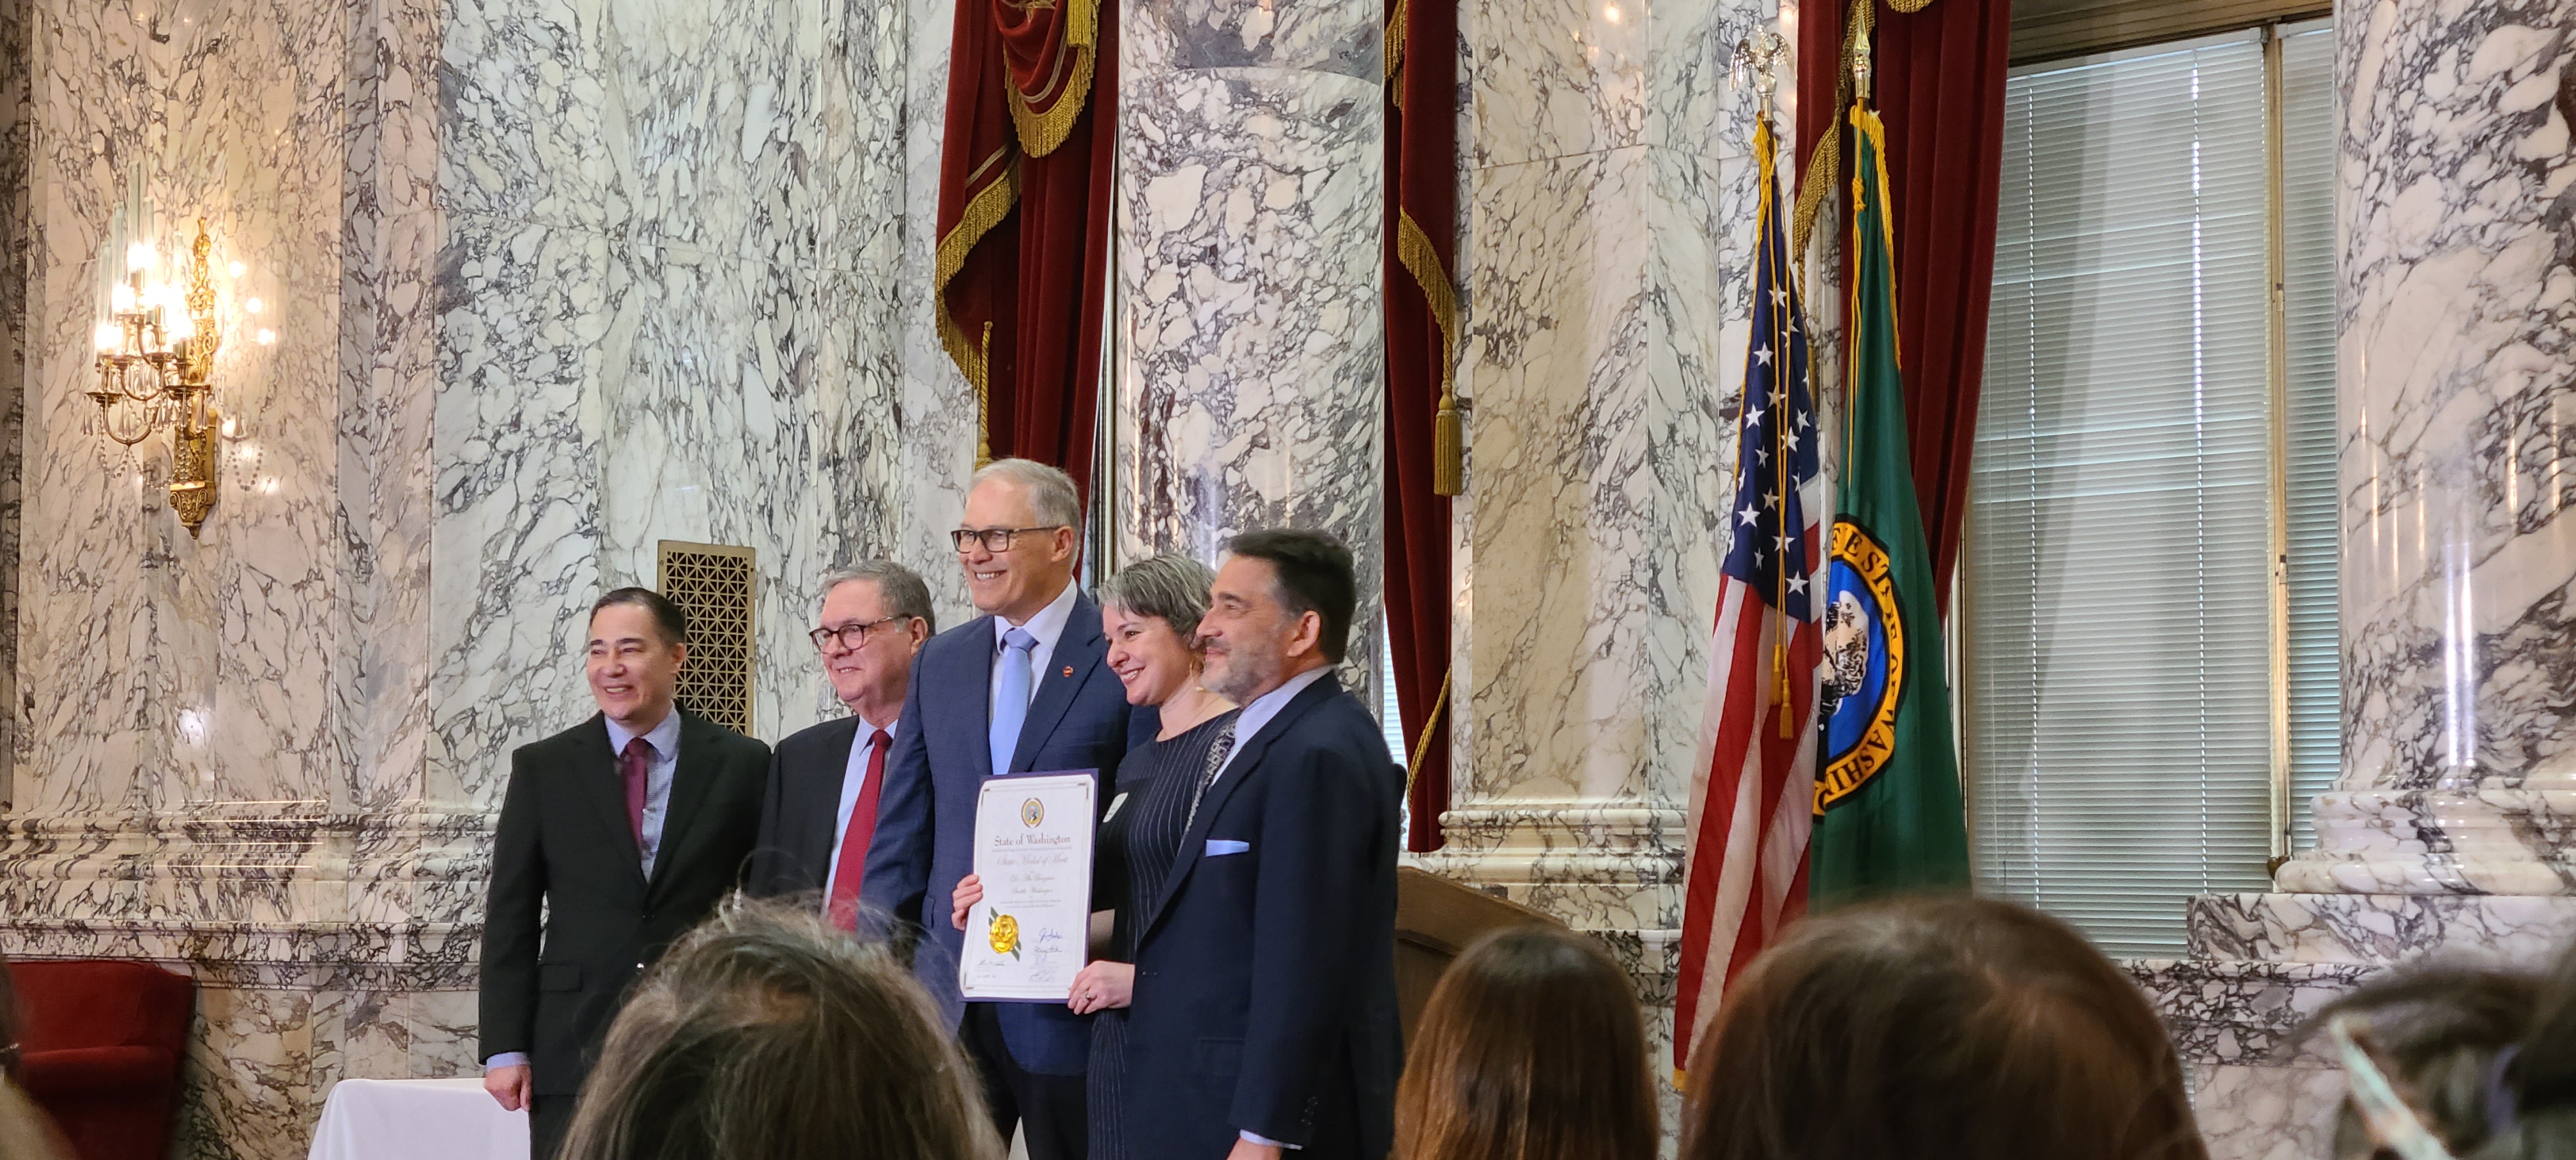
(1608, 164)
(551, 283)
(16, 141)
(1249, 375)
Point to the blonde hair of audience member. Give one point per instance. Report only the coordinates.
(2485, 1055)
(765, 1033)
(1530, 1048)
(1937, 1027)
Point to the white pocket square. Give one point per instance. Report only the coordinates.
(1220, 847)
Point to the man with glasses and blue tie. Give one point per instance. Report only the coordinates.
(1024, 687)
(825, 782)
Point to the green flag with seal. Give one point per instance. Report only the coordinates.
(1888, 811)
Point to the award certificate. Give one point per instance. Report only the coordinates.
(1029, 937)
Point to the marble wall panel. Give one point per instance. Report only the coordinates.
(159, 668)
(934, 412)
(686, 333)
(17, 125)
(1248, 377)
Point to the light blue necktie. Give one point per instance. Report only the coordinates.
(1011, 697)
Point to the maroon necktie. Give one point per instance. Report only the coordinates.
(631, 766)
(852, 865)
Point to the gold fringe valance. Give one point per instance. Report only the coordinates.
(1042, 132)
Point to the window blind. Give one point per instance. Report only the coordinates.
(2312, 507)
(2118, 599)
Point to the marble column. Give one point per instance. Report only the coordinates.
(2452, 824)
(1610, 191)
(2455, 817)
(1249, 368)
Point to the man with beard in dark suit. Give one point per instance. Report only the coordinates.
(616, 836)
(1264, 1016)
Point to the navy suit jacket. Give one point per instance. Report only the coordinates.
(1078, 719)
(1265, 974)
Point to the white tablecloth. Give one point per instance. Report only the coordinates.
(417, 1119)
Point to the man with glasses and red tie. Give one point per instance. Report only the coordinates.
(825, 782)
(1026, 687)
(616, 836)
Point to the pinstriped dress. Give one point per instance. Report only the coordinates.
(1142, 839)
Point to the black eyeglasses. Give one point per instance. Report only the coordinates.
(851, 635)
(994, 539)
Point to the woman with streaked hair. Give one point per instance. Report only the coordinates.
(1150, 612)
(764, 1032)
(1938, 1027)
(1530, 1048)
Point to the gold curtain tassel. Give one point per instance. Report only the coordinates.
(1448, 449)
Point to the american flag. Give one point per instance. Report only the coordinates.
(1753, 799)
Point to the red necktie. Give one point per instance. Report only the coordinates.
(852, 865)
(631, 766)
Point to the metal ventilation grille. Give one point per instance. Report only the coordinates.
(712, 584)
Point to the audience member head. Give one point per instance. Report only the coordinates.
(1530, 1048)
(2484, 1055)
(1940, 1027)
(1020, 537)
(875, 616)
(1279, 606)
(1150, 612)
(638, 641)
(765, 1033)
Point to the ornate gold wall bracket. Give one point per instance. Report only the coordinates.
(156, 361)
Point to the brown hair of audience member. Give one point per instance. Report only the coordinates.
(1530, 1048)
(766, 1033)
(1940, 1027)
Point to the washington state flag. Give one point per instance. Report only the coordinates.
(1888, 810)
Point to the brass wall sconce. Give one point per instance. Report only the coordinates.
(156, 359)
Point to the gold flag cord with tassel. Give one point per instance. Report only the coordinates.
(1824, 164)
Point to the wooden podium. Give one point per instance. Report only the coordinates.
(1435, 919)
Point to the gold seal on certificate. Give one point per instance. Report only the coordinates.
(1033, 851)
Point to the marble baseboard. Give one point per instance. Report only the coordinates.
(2263, 1112)
(261, 1061)
(2240, 1012)
(2257, 1093)
(2377, 929)
(238, 866)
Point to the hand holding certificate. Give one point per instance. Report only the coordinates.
(1027, 938)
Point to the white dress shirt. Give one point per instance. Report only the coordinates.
(853, 779)
(1048, 627)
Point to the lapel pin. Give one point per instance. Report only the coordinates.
(1068, 670)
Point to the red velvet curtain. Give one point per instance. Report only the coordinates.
(1024, 200)
(1421, 316)
(1939, 85)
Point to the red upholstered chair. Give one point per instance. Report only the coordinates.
(101, 1044)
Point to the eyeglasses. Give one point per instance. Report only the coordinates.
(994, 539)
(851, 635)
